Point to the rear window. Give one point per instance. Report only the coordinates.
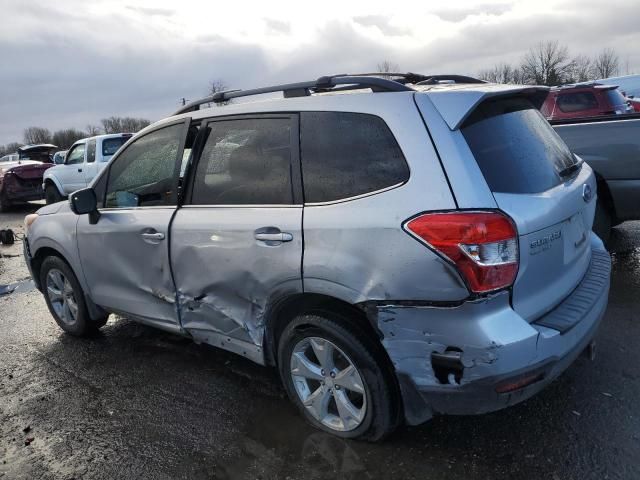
(348, 154)
(111, 145)
(616, 99)
(515, 147)
(575, 102)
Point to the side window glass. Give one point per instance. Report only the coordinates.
(76, 155)
(143, 175)
(245, 162)
(348, 154)
(91, 151)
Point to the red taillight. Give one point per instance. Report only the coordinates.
(482, 245)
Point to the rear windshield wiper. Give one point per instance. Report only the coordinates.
(567, 171)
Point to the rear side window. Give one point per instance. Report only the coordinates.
(245, 162)
(348, 154)
(515, 147)
(111, 145)
(575, 102)
(616, 99)
(91, 151)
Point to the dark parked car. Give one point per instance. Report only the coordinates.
(21, 179)
(580, 101)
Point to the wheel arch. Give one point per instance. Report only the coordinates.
(95, 311)
(604, 194)
(53, 181)
(281, 313)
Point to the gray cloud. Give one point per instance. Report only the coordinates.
(383, 23)
(80, 71)
(163, 12)
(459, 14)
(277, 26)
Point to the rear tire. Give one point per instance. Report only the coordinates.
(52, 195)
(65, 298)
(363, 404)
(602, 222)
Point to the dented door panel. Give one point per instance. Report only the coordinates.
(126, 271)
(225, 276)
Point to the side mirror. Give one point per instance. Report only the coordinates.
(59, 160)
(85, 201)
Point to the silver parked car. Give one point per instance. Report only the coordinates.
(411, 246)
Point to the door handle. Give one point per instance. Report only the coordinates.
(153, 236)
(274, 237)
(80, 170)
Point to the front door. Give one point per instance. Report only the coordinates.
(237, 241)
(125, 255)
(71, 174)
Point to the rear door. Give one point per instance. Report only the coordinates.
(237, 241)
(125, 255)
(545, 189)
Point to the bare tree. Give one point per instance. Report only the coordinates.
(9, 148)
(502, 73)
(581, 70)
(66, 137)
(34, 135)
(218, 85)
(93, 130)
(547, 63)
(388, 67)
(123, 124)
(607, 63)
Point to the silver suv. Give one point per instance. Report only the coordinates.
(397, 247)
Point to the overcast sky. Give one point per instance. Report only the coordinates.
(70, 63)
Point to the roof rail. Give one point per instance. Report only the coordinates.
(301, 89)
(378, 82)
(435, 79)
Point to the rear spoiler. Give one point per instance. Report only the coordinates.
(455, 105)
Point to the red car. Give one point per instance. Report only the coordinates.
(579, 101)
(21, 180)
(635, 103)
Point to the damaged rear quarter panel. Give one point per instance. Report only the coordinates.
(225, 278)
(479, 329)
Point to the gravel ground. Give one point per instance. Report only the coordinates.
(135, 402)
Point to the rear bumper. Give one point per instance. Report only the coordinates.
(492, 347)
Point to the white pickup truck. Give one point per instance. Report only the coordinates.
(84, 160)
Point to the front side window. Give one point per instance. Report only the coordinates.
(348, 154)
(245, 162)
(575, 102)
(145, 173)
(91, 151)
(76, 155)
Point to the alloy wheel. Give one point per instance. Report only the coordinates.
(62, 296)
(328, 384)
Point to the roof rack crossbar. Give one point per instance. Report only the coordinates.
(322, 84)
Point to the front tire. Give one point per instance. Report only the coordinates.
(51, 194)
(65, 298)
(336, 377)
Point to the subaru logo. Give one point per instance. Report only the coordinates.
(587, 193)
